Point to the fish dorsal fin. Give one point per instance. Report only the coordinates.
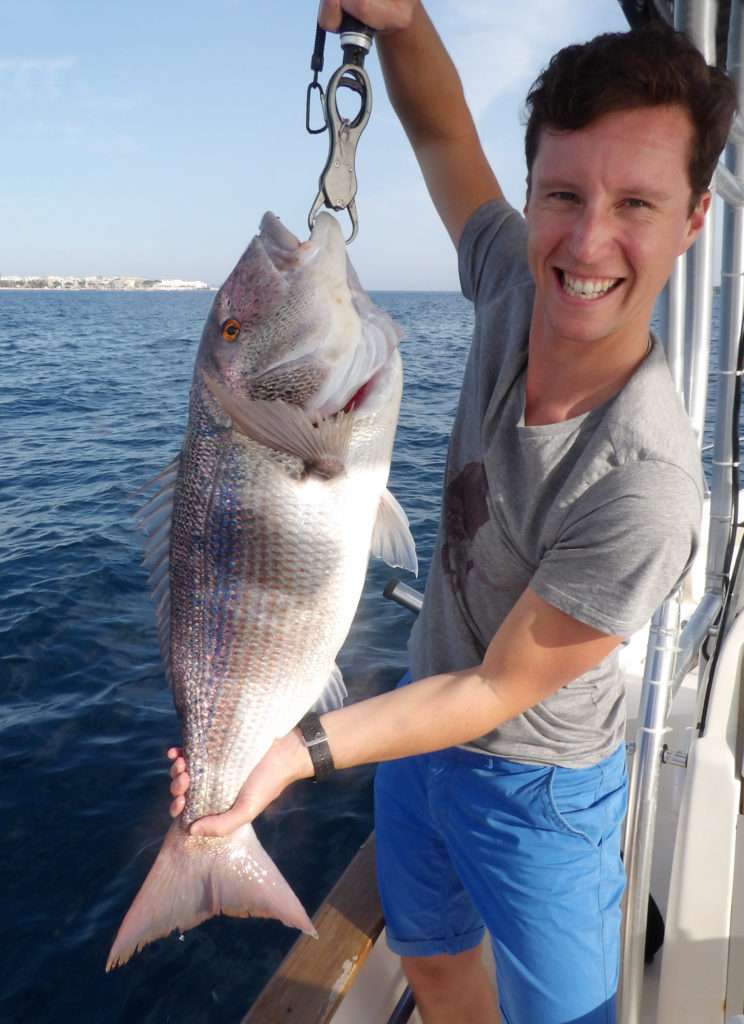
(391, 535)
(321, 446)
(334, 693)
(154, 519)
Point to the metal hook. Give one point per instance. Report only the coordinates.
(316, 65)
(338, 182)
(315, 85)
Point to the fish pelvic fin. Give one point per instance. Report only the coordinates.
(322, 446)
(197, 877)
(391, 537)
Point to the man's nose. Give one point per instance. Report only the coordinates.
(590, 235)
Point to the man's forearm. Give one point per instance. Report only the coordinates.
(434, 713)
(423, 84)
(536, 650)
(427, 95)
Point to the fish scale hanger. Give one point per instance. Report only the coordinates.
(337, 186)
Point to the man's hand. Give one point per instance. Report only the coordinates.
(382, 15)
(286, 761)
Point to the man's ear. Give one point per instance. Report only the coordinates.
(526, 194)
(696, 219)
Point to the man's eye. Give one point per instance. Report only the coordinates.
(566, 197)
(635, 203)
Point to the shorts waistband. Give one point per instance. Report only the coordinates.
(507, 766)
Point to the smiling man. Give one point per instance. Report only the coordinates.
(571, 507)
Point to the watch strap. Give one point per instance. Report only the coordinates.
(316, 742)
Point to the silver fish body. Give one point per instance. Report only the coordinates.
(258, 548)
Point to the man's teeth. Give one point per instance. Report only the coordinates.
(587, 288)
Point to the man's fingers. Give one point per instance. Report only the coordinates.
(384, 15)
(329, 15)
(180, 784)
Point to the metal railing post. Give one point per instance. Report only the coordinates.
(688, 321)
(724, 489)
(699, 20)
(643, 798)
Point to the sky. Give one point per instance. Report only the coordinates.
(147, 139)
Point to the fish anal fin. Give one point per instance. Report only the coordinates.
(391, 536)
(334, 693)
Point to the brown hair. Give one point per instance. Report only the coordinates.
(645, 67)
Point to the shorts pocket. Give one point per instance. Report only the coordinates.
(573, 796)
(589, 802)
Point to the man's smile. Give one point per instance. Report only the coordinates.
(587, 288)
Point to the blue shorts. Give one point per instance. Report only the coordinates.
(466, 841)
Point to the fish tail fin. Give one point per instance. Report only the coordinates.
(196, 877)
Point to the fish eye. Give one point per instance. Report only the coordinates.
(231, 330)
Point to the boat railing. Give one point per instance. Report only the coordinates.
(673, 651)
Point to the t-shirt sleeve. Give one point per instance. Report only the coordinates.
(623, 547)
(492, 253)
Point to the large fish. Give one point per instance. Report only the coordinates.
(258, 542)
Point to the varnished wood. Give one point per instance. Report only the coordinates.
(311, 981)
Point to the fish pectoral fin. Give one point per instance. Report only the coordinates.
(334, 693)
(391, 535)
(321, 446)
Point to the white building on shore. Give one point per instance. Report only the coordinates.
(96, 283)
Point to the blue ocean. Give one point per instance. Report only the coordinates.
(93, 404)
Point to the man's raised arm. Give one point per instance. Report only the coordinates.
(426, 93)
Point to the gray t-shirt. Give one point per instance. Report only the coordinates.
(599, 514)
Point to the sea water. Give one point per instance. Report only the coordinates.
(92, 405)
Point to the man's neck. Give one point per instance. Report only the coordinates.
(568, 378)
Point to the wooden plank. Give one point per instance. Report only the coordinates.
(313, 978)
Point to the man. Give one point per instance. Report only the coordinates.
(571, 509)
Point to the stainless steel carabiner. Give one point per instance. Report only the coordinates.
(337, 186)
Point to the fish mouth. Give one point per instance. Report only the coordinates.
(280, 245)
(373, 360)
(285, 249)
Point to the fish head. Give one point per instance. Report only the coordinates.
(292, 322)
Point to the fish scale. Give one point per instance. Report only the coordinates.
(279, 497)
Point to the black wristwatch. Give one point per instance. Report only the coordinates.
(316, 742)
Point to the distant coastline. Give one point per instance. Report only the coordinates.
(100, 284)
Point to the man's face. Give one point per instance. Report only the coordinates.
(607, 214)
